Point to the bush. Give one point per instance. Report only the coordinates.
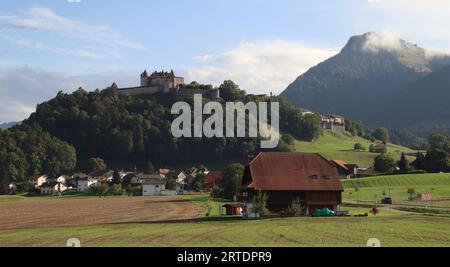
(259, 203)
(115, 190)
(359, 146)
(295, 209)
(384, 163)
(101, 190)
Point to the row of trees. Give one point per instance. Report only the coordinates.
(435, 160)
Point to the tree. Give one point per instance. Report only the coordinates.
(359, 146)
(259, 203)
(101, 190)
(286, 143)
(116, 177)
(150, 169)
(440, 141)
(436, 160)
(381, 134)
(384, 163)
(403, 163)
(419, 163)
(231, 180)
(96, 164)
(230, 92)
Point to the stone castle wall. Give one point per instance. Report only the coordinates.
(139, 91)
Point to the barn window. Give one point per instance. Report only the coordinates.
(314, 177)
(327, 177)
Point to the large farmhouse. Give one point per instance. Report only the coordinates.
(287, 176)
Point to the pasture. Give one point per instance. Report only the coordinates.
(398, 185)
(335, 145)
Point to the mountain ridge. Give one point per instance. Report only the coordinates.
(358, 82)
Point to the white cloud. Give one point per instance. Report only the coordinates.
(44, 20)
(414, 19)
(73, 1)
(77, 52)
(384, 40)
(23, 88)
(259, 67)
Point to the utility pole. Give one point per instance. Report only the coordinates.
(357, 193)
(431, 197)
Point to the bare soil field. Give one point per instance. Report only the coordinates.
(94, 211)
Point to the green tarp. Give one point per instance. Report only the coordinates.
(323, 213)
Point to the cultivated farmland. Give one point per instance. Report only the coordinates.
(42, 213)
(175, 221)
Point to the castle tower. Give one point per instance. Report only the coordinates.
(144, 78)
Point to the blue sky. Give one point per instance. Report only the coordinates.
(52, 45)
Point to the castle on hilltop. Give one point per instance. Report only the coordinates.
(166, 82)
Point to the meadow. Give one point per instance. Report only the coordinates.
(392, 228)
(396, 186)
(335, 145)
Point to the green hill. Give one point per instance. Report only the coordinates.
(397, 185)
(335, 145)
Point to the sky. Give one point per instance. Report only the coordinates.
(52, 45)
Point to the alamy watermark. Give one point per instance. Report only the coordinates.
(214, 125)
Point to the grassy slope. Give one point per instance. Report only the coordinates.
(334, 145)
(438, 183)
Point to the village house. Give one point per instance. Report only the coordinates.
(379, 148)
(345, 170)
(37, 180)
(83, 182)
(131, 179)
(333, 122)
(164, 172)
(212, 179)
(53, 188)
(153, 185)
(59, 179)
(180, 178)
(286, 176)
(103, 176)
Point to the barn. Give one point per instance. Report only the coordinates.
(285, 176)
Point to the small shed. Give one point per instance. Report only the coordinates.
(233, 209)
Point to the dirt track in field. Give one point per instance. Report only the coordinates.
(93, 211)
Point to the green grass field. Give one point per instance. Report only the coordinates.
(334, 145)
(391, 228)
(397, 185)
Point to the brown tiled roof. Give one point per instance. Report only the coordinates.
(341, 164)
(212, 177)
(164, 171)
(294, 172)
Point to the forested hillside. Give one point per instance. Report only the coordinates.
(132, 130)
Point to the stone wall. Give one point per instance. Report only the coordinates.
(139, 91)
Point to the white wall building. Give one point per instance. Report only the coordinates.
(83, 184)
(153, 187)
(52, 188)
